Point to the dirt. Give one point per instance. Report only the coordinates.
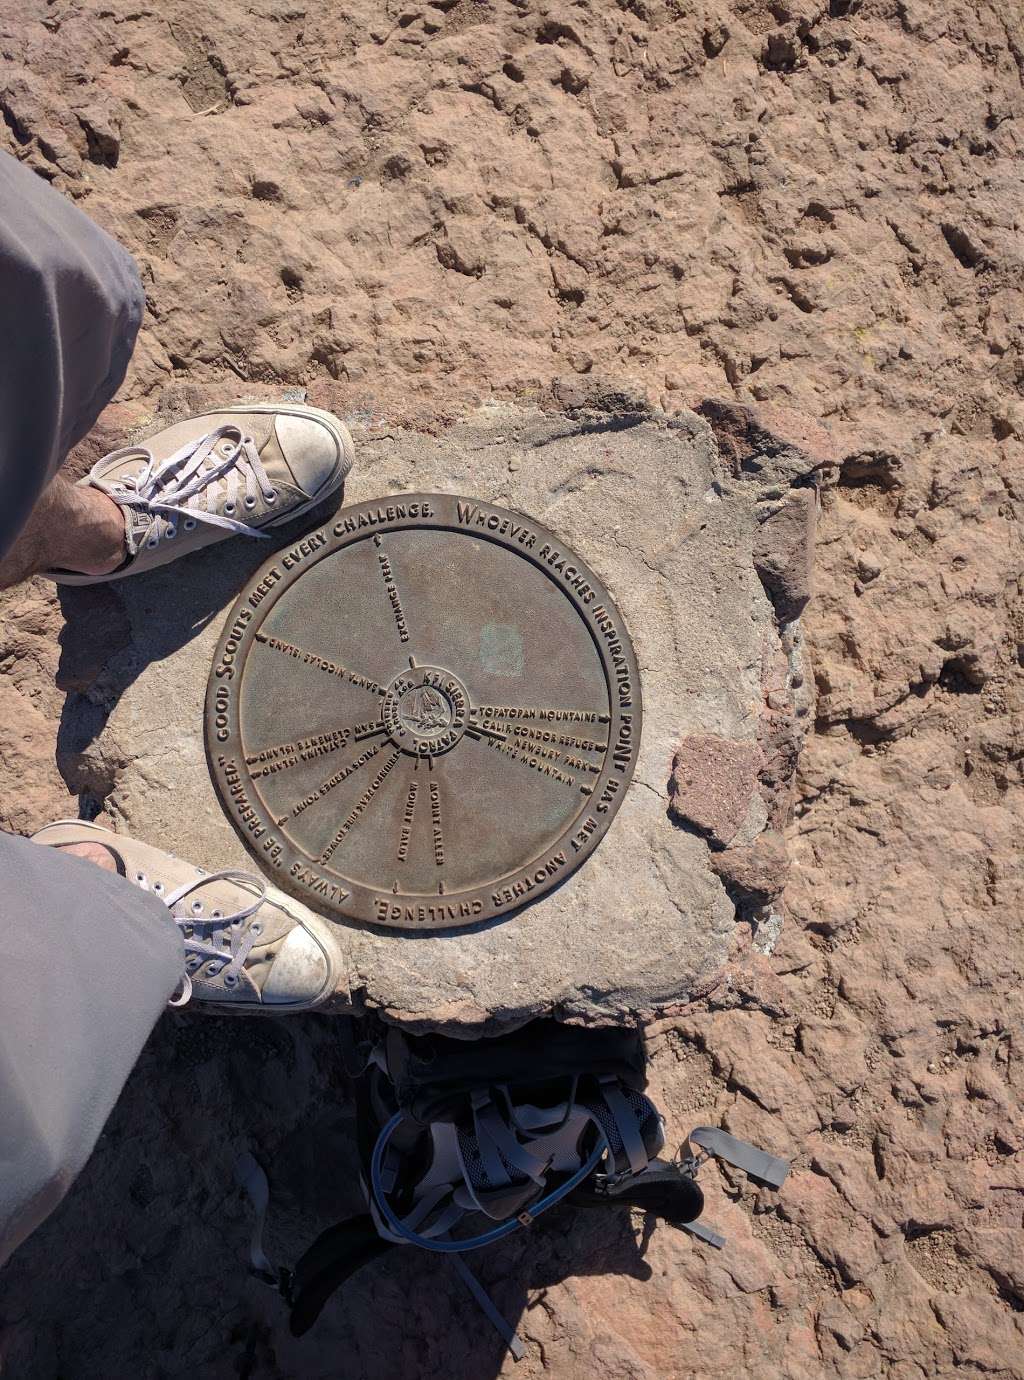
(407, 210)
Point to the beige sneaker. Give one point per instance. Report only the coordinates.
(231, 472)
(247, 946)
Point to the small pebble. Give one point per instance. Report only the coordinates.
(869, 566)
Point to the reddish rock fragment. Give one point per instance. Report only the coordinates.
(713, 783)
(755, 875)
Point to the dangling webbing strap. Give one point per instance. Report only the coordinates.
(252, 1180)
(703, 1233)
(757, 1163)
(769, 1169)
(426, 1205)
(486, 1305)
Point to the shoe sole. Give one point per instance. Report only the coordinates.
(317, 926)
(334, 481)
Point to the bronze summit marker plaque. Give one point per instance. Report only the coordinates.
(424, 715)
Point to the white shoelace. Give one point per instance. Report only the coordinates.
(228, 961)
(186, 486)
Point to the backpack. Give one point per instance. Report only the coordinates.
(462, 1143)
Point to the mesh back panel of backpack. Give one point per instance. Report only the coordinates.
(476, 1173)
(643, 1110)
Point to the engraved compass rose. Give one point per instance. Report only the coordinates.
(425, 710)
(447, 749)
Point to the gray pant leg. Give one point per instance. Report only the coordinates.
(87, 963)
(70, 307)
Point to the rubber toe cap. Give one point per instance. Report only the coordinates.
(311, 450)
(300, 972)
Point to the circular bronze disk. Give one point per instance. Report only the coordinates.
(423, 716)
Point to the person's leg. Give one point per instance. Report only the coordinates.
(87, 960)
(70, 307)
(97, 932)
(87, 964)
(71, 527)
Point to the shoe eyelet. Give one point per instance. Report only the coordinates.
(229, 508)
(256, 927)
(217, 915)
(158, 887)
(250, 503)
(230, 979)
(197, 907)
(190, 524)
(153, 541)
(171, 533)
(140, 876)
(272, 496)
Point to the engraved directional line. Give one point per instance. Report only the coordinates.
(540, 712)
(408, 816)
(436, 832)
(360, 807)
(546, 766)
(319, 663)
(270, 760)
(326, 786)
(565, 739)
(484, 730)
(391, 588)
(368, 730)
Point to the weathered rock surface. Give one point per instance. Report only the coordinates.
(646, 924)
(810, 206)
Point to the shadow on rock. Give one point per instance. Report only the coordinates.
(147, 1255)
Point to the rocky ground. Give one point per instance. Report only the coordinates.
(408, 209)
